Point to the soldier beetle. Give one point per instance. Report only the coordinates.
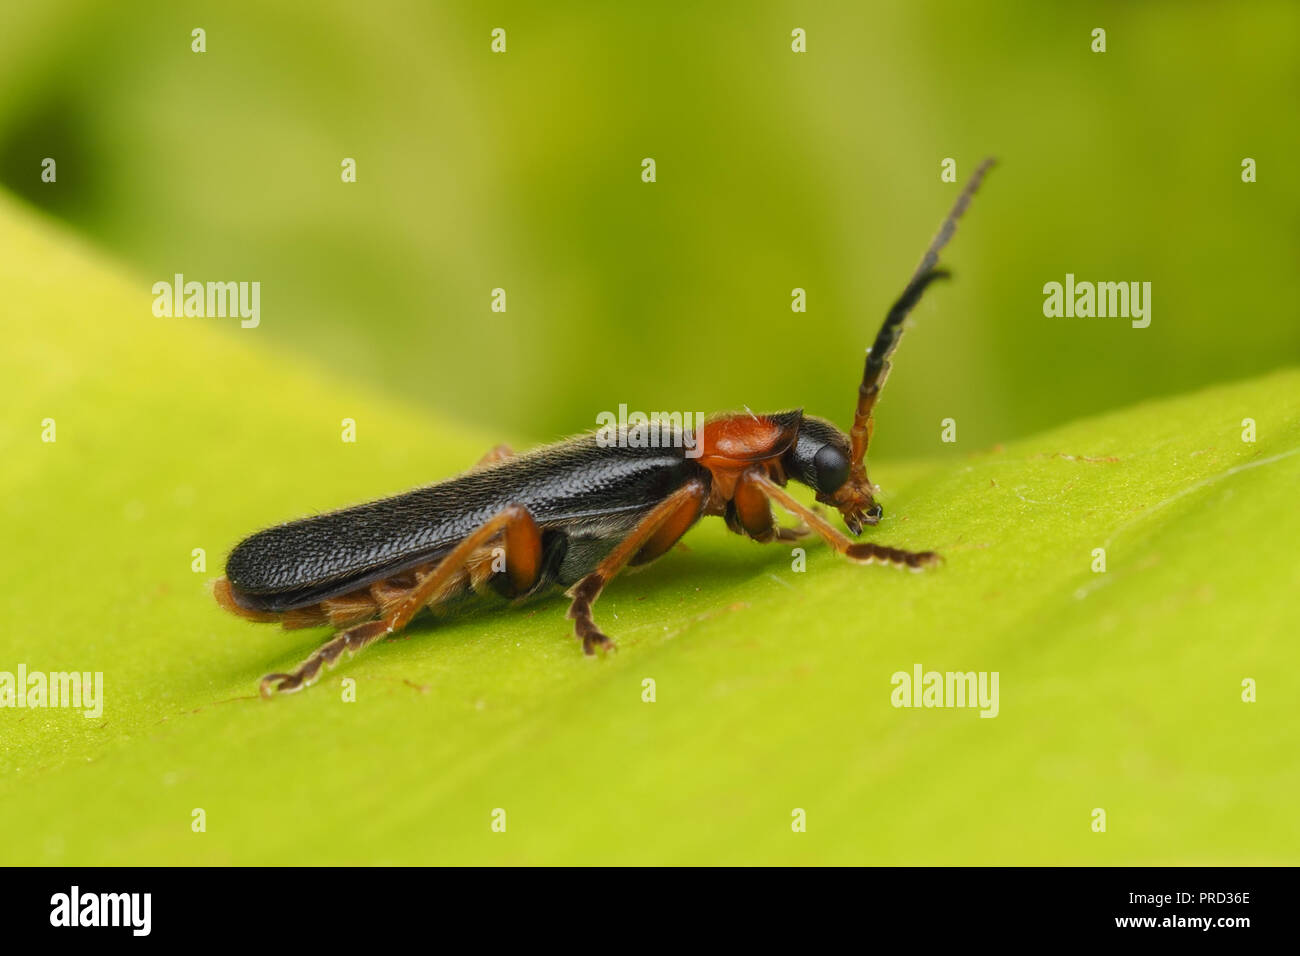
(573, 514)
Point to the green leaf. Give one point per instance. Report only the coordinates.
(1119, 690)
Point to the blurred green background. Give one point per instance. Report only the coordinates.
(775, 171)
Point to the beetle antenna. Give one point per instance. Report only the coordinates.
(877, 365)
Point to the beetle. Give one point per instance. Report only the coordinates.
(573, 514)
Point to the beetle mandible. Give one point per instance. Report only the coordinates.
(574, 514)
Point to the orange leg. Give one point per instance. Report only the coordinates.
(674, 515)
(751, 515)
(523, 565)
(864, 552)
(494, 454)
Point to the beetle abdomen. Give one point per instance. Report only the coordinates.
(575, 485)
(364, 603)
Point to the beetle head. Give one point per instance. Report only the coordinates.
(820, 458)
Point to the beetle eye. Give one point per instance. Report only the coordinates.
(832, 467)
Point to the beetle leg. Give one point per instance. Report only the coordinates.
(655, 534)
(352, 640)
(751, 515)
(864, 552)
(523, 544)
(494, 454)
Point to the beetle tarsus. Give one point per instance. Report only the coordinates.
(353, 640)
(597, 642)
(864, 552)
(686, 500)
(584, 595)
(494, 454)
(265, 687)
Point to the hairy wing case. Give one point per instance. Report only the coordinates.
(564, 486)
